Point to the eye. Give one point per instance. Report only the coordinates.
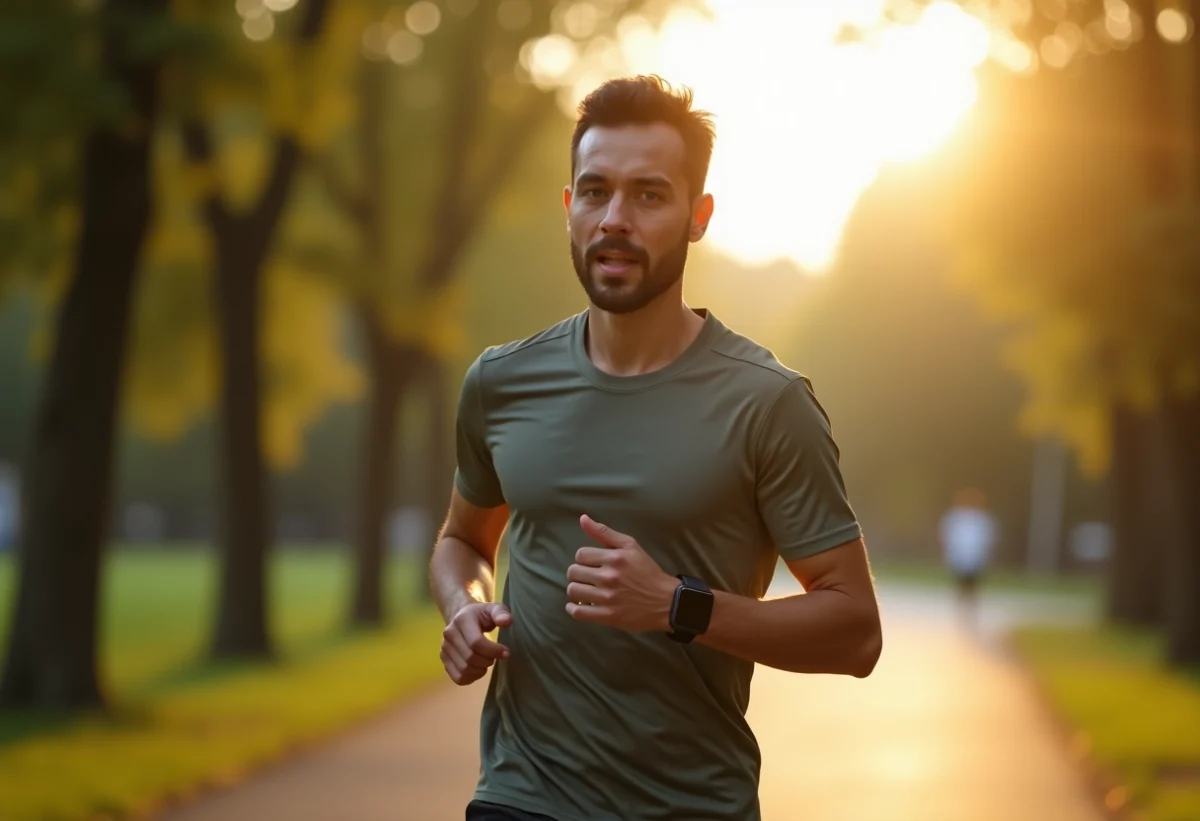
(592, 193)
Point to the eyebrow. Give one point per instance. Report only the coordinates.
(652, 181)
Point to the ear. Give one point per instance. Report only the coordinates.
(567, 204)
(702, 211)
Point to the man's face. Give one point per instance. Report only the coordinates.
(630, 215)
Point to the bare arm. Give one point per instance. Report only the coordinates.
(463, 567)
(462, 577)
(833, 627)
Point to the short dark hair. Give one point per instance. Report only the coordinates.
(650, 99)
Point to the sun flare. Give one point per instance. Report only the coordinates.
(806, 120)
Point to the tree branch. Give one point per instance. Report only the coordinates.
(453, 234)
(197, 145)
(457, 214)
(287, 150)
(310, 24)
(461, 122)
(373, 159)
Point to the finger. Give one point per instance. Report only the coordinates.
(589, 612)
(458, 655)
(587, 593)
(459, 644)
(594, 556)
(474, 641)
(478, 651)
(499, 614)
(485, 651)
(603, 533)
(454, 668)
(465, 662)
(461, 673)
(466, 659)
(597, 576)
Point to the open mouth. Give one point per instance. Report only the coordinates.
(615, 262)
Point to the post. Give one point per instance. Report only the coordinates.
(1046, 506)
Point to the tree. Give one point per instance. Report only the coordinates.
(51, 659)
(242, 240)
(1085, 238)
(473, 108)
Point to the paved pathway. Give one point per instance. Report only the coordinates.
(946, 729)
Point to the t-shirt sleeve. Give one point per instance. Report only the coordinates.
(474, 475)
(800, 491)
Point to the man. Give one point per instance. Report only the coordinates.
(651, 467)
(968, 533)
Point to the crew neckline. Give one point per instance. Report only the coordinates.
(587, 368)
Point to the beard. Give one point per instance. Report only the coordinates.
(617, 296)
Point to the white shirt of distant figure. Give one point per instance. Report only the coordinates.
(968, 535)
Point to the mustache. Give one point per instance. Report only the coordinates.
(619, 244)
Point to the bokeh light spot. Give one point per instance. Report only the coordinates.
(1174, 26)
(404, 48)
(423, 18)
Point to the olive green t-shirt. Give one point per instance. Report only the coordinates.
(717, 464)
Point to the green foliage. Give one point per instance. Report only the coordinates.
(435, 144)
(1064, 232)
(1131, 716)
(51, 95)
(156, 609)
(254, 95)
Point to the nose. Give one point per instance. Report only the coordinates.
(616, 219)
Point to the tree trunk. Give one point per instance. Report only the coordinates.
(391, 370)
(243, 242)
(1136, 567)
(1182, 594)
(52, 655)
(242, 629)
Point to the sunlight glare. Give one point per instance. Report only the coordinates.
(804, 123)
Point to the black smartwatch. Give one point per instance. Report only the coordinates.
(691, 609)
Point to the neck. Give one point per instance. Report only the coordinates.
(642, 341)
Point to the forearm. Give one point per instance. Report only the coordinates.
(459, 575)
(823, 631)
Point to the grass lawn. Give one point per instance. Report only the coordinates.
(925, 572)
(1138, 721)
(180, 723)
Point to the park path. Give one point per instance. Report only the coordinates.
(947, 728)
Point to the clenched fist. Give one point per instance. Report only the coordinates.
(618, 585)
(467, 652)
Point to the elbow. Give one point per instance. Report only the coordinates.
(870, 647)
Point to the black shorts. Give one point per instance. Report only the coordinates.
(483, 811)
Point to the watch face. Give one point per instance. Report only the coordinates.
(695, 608)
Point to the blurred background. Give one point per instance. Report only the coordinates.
(248, 249)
